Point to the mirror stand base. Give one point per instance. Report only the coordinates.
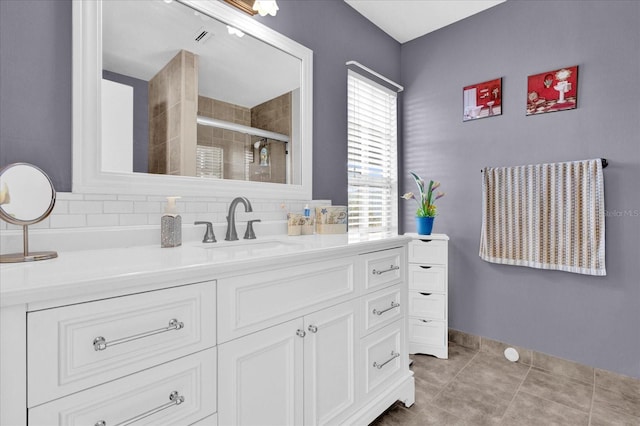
(30, 257)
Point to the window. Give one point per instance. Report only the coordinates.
(209, 162)
(372, 156)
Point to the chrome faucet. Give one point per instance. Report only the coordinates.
(232, 234)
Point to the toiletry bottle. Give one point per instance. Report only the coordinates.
(171, 225)
(307, 211)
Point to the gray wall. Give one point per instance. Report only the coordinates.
(35, 86)
(36, 58)
(592, 320)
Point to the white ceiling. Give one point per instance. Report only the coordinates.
(140, 37)
(405, 20)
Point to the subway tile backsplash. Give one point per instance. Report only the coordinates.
(105, 210)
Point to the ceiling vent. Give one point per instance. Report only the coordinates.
(202, 35)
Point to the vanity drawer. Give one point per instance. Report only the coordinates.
(191, 380)
(426, 332)
(428, 251)
(252, 302)
(427, 305)
(427, 278)
(65, 353)
(383, 268)
(384, 356)
(382, 308)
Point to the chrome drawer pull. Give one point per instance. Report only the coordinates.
(100, 343)
(174, 399)
(394, 355)
(393, 305)
(391, 268)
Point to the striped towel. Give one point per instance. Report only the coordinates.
(547, 216)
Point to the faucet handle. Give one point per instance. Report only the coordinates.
(249, 234)
(209, 237)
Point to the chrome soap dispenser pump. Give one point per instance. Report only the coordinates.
(171, 225)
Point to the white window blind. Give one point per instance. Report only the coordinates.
(372, 156)
(209, 161)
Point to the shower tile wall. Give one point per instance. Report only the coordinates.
(275, 116)
(237, 147)
(172, 106)
(233, 144)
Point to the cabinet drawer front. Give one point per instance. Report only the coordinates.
(78, 346)
(384, 356)
(427, 305)
(427, 332)
(428, 278)
(384, 268)
(253, 302)
(428, 251)
(192, 378)
(382, 308)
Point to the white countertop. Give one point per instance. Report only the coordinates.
(114, 271)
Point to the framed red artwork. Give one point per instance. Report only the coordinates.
(552, 91)
(482, 100)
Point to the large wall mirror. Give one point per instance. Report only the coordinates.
(188, 97)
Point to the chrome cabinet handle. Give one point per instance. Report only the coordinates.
(313, 329)
(391, 268)
(394, 355)
(100, 343)
(393, 305)
(301, 333)
(174, 399)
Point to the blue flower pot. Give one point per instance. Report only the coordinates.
(424, 225)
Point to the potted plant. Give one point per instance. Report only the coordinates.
(426, 204)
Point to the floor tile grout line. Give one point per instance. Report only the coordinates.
(513, 398)
(563, 377)
(451, 381)
(593, 396)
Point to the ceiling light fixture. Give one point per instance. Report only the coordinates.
(263, 7)
(266, 7)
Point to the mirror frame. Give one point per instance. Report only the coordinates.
(87, 74)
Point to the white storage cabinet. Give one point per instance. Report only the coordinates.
(428, 294)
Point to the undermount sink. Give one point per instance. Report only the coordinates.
(252, 248)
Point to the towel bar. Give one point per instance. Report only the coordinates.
(605, 163)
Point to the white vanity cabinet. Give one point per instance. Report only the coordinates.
(428, 294)
(316, 338)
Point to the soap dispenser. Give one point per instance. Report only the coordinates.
(171, 225)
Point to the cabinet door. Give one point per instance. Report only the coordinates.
(330, 363)
(260, 377)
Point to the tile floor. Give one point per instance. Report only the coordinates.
(475, 387)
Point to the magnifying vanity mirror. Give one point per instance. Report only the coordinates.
(188, 97)
(27, 196)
